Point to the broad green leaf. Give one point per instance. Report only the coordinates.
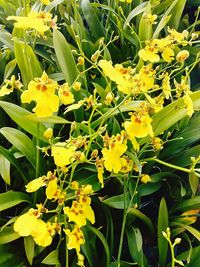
(5, 168)
(162, 225)
(7, 154)
(29, 246)
(119, 201)
(21, 141)
(92, 20)
(19, 115)
(176, 14)
(134, 239)
(65, 57)
(173, 113)
(27, 61)
(104, 243)
(8, 235)
(122, 264)
(52, 119)
(12, 198)
(87, 248)
(195, 256)
(52, 258)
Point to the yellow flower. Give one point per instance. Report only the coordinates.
(177, 36)
(51, 188)
(156, 103)
(182, 56)
(25, 224)
(127, 165)
(149, 53)
(75, 238)
(112, 156)
(168, 54)
(77, 86)
(139, 126)
(145, 178)
(41, 235)
(79, 213)
(157, 143)
(62, 155)
(166, 86)
(189, 104)
(10, 85)
(42, 90)
(66, 97)
(35, 184)
(45, 2)
(37, 21)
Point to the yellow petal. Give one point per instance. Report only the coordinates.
(25, 224)
(51, 189)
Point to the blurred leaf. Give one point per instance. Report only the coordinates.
(145, 28)
(53, 4)
(52, 119)
(5, 168)
(162, 225)
(6, 38)
(8, 235)
(165, 18)
(92, 20)
(176, 14)
(22, 142)
(9, 69)
(11, 199)
(65, 57)
(29, 246)
(136, 11)
(27, 61)
(52, 258)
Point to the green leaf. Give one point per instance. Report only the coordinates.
(19, 115)
(53, 4)
(119, 201)
(6, 38)
(103, 241)
(12, 198)
(193, 231)
(134, 239)
(7, 154)
(162, 225)
(21, 141)
(176, 14)
(136, 11)
(145, 28)
(9, 69)
(91, 17)
(27, 61)
(165, 19)
(188, 204)
(65, 57)
(132, 212)
(52, 119)
(52, 258)
(29, 246)
(8, 235)
(5, 168)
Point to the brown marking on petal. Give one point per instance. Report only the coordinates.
(41, 87)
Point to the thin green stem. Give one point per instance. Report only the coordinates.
(168, 165)
(37, 166)
(66, 255)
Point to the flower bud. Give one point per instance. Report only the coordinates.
(182, 56)
(48, 133)
(95, 56)
(81, 61)
(77, 86)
